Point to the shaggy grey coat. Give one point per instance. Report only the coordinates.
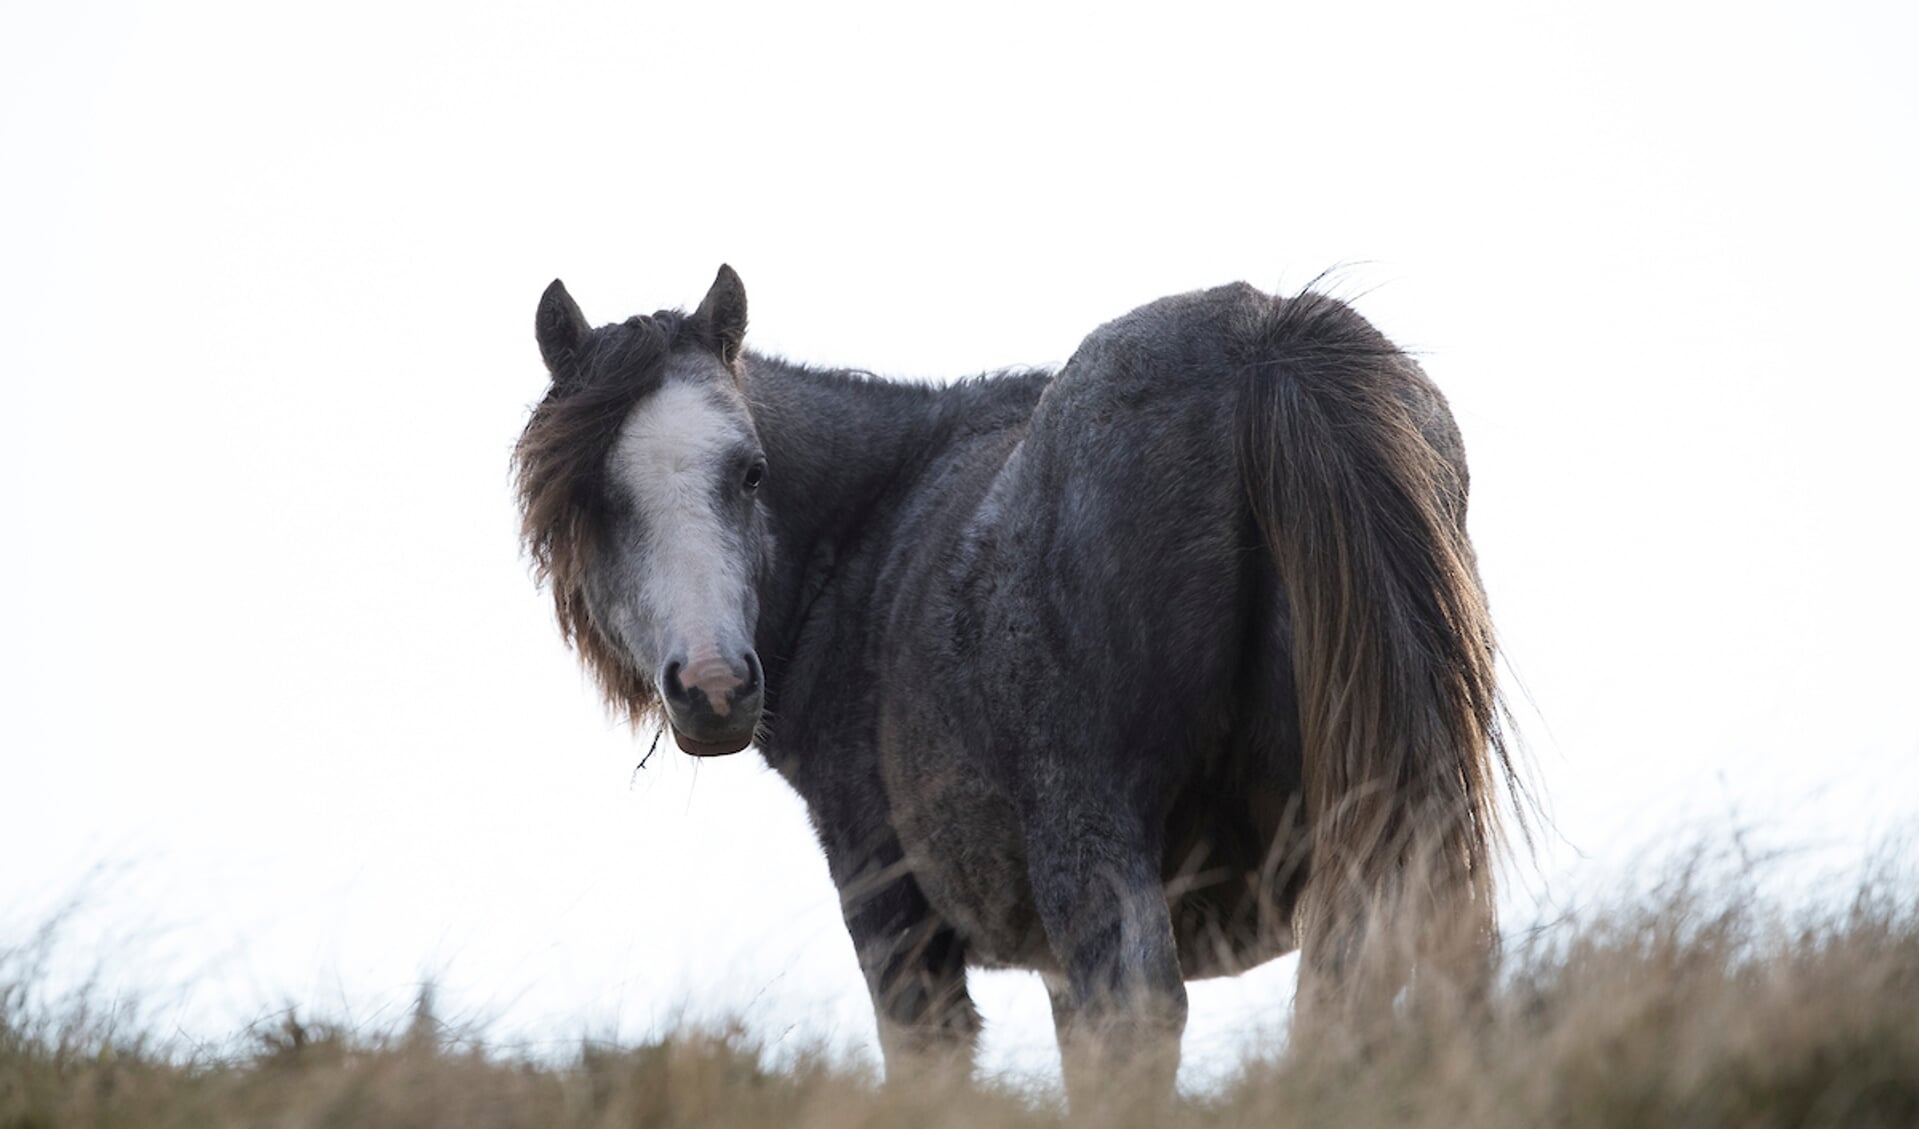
(1148, 670)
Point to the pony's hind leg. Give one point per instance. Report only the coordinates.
(1119, 1001)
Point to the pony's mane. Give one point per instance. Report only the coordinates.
(559, 466)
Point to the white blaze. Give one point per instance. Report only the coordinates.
(669, 455)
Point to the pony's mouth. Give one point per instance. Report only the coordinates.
(712, 748)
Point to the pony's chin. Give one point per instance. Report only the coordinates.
(711, 748)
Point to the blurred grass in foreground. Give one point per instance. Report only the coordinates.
(1698, 1004)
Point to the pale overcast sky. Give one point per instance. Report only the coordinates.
(267, 647)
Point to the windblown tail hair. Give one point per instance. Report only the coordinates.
(1355, 478)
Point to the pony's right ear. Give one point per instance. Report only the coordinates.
(559, 325)
(724, 312)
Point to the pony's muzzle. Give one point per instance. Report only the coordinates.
(712, 703)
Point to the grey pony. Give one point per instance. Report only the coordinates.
(1143, 671)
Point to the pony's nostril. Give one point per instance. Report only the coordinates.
(752, 682)
(670, 681)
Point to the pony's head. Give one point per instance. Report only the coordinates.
(638, 481)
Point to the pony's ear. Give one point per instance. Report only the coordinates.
(724, 311)
(559, 325)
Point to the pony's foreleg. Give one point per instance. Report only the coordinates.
(915, 967)
(927, 1022)
(1119, 1006)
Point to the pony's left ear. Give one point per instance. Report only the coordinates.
(559, 326)
(724, 311)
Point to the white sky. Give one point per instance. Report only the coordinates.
(267, 648)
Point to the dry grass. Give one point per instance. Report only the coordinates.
(1693, 1006)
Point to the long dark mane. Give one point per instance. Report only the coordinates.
(559, 465)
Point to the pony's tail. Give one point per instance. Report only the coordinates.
(1357, 484)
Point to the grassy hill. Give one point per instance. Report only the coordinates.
(1680, 1008)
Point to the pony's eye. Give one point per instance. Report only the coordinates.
(755, 474)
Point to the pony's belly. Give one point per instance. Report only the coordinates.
(1230, 883)
(1234, 871)
(1226, 931)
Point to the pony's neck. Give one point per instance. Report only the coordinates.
(837, 443)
